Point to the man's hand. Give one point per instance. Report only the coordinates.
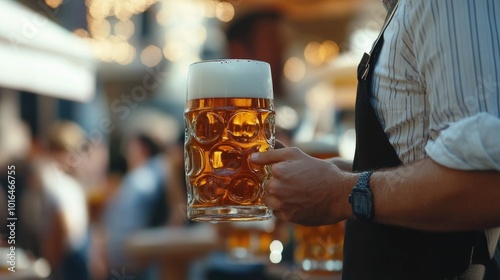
(304, 189)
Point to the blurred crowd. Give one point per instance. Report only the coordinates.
(76, 214)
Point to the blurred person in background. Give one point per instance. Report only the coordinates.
(14, 149)
(145, 198)
(65, 231)
(98, 184)
(25, 186)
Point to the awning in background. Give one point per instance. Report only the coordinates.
(38, 56)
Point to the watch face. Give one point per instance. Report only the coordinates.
(362, 203)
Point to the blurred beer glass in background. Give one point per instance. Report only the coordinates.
(250, 240)
(319, 249)
(229, 114)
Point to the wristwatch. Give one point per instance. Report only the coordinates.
(361, 198)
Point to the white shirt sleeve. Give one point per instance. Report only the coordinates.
(472, 143)
(438, 66)
(461, 39)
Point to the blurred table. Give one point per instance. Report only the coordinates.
(175, 248)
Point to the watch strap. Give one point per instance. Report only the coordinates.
(361, 198)
(364, 179)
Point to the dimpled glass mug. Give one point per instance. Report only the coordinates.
(229, 115)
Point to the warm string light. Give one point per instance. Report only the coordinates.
(151, 56)
(318, 54)
(111, 27)
(315, 54)
(224, 11)
(184, 21)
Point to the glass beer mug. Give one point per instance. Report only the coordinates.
(229, 115)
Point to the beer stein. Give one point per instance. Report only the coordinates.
(229, 115)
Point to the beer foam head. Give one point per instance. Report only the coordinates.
(229, 78)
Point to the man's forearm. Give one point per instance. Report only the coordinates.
(428, 196)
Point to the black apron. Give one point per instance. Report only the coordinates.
(377, 251)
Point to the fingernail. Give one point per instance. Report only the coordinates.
(254, 156)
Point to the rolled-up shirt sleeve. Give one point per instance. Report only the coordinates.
(458, 61)
(472, 143)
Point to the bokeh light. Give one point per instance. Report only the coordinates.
(224, 11)
(80, 32)
(151, 56)
(99, 29)
(294, 69)
(111, 26)
(124, 29)
(53, 3)
(173, 51)
(276, 248)
(318, 54)
(320, 97)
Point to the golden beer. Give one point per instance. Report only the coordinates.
(229, 115)
(250, 240)
(319, 249)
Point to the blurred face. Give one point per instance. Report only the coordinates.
(136, 154)
(66, 161)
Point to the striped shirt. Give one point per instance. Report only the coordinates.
(437, 82)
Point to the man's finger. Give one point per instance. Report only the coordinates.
(274, 156)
